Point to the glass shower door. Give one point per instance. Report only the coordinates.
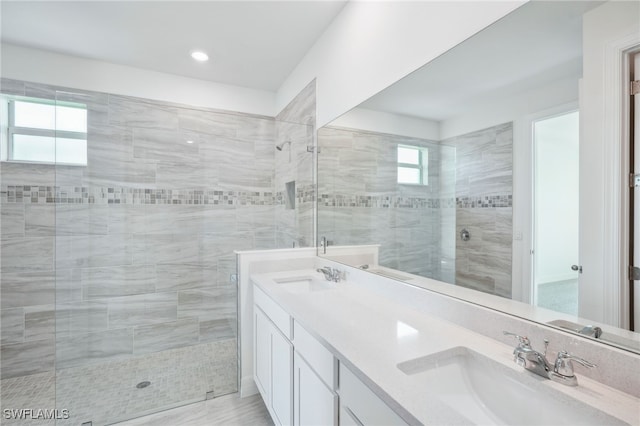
(94, 356)
(27, 272)
(143, 320)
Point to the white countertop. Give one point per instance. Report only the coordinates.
(371, 335)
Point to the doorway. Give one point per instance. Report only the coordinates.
(555, 212)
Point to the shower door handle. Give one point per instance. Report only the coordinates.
(576, 268)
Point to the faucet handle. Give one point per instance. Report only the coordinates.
(564, 367)
(524, 341)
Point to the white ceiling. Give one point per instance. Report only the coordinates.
(254, 44)
(538, 43)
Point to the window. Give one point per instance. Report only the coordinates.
(44, 131)
(413, 165)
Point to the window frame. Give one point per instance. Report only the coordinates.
(12, 130)
(421, 166)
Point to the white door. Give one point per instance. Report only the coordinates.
(555, 212)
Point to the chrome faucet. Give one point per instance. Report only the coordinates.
(561, 371)
(331, 274)
(590, 330)
(525, 356)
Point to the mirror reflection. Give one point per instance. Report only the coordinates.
(425, 170)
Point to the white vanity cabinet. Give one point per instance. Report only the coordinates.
(273, 358)
(360, 406)
(296, 374)
(300, 380)
(315, 381)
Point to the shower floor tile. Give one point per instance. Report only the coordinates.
(106, 393)
(28, 392)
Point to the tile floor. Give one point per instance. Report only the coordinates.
(559, 296)
(34, 391)
(228, 410)
(106, 393)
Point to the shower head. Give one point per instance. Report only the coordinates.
(279, 147)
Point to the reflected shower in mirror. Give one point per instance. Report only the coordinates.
(426, 169)
(461, 183)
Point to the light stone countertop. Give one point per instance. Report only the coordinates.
(367, 333)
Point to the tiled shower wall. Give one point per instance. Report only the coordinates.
(417, 227)
(484, 189)
(360, 201)
(132, 254)
(294, 170)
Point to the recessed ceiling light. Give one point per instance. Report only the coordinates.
(189, 141)
(199, 56)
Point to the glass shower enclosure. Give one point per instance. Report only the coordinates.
(117, 264)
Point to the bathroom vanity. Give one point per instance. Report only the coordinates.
(343, 352)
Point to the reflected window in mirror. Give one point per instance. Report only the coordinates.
(412, 165)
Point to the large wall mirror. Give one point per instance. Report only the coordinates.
(426, 168)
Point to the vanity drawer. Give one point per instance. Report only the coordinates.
(316, 355)
(276, 314)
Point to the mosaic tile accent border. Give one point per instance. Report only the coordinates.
(38, 194)
(388, 201)
(485, 201)
(119, 195)
(383, 201)
(306, 194)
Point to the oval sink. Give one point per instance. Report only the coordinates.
(487, 392)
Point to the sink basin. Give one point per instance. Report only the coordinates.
(304, 284)
(487, 392)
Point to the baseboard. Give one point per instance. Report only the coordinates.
(247, 387)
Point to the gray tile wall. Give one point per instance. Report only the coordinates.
(470, 186)
(133, 253)
(296, 123)
(484, 189)
(360, 201)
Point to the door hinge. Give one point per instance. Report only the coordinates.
(634, 273)
(635, 87)
(634, 180)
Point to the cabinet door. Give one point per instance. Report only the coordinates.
(281, 377)
(314, 402)
(262, 354)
